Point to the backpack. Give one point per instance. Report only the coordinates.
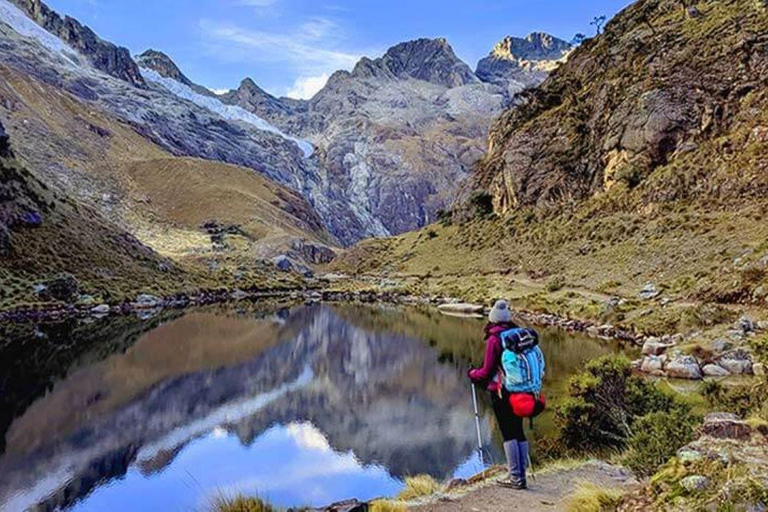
(522, 361)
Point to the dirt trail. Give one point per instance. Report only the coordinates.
(549, 492)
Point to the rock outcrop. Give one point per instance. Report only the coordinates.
(105, 56)
(597, 122)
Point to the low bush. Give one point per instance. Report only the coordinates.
(605, 401)
(554, 284)
(656, 438)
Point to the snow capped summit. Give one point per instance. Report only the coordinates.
(215, 105)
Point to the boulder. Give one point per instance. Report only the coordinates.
(738, 362)
(723, 425)
(655, 348)
(684, 367)
(721, 345)
(100, 310)
(652, 364)
(461, 308)
(746, 325)
(714, 370)
(283, 263)
(649, 292)
(694, 483)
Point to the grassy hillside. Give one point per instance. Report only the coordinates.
(122, 215)
(595, 187)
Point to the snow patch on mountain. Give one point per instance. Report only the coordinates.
(229, 112)
(18, 21)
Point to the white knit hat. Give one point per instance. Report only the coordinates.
(500, 313)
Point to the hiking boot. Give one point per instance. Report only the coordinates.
(508, 483)
(516, 465)
(524, 458)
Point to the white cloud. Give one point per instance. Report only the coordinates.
(305, 87)
(309, 52)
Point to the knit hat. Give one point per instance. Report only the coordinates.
(500, 313)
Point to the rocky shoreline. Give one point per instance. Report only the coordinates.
(146, 305)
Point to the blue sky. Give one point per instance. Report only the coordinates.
(289, 47)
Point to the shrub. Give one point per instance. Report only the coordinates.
(741, 400)
(482, 203)
(604, 402)
(760, 348)
(656, 437)
(418, 486)
(431, 234)
(555, 283)
(589, 497)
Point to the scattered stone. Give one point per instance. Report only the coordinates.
(714, 370)
(86, 300)
(684, 367)
(759, 369)
(456, 483)
(738, 362)
(238, 295)
(649, 292)
(725, 426)
(694, 483)
(762, 325)
(688, 456)
(746, 325)
(147, 301)
(345, 506)
(100, 310)
(721, 346)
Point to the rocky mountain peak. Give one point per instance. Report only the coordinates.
(163, 64)
(431, 60)
(536, 46)
(103, 55)
(518, 62)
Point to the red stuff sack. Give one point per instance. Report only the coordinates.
(527, 405)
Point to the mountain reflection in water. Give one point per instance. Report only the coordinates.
(302, 407)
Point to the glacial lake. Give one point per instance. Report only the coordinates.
(300, 405)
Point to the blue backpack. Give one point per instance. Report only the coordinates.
(522, 361)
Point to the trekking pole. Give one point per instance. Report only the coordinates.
(477, 426)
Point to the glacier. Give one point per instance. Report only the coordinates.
(20, 22)
(229, 112)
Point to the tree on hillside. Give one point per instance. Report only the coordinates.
(578, 39)
(598, 22)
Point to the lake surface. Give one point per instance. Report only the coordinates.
(302, 406)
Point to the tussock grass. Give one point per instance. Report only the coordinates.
(386, 506)
(240, 504)
(418, 486)
(590, 497)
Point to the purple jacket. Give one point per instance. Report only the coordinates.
(486, 375)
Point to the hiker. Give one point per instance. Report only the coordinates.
(490, 375)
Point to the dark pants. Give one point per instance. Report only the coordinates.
(511, 426)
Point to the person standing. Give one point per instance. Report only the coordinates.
(490, 375)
